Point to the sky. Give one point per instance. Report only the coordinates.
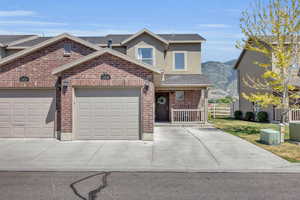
(215, 20)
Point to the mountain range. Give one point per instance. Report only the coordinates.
(223, 77)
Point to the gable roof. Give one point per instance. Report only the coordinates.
(47, 43)
(142, 32)
(117, 39)
(99, 53)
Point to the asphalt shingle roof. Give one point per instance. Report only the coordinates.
(6, 39)
(185, 79)
(116, 38)
(30, 43)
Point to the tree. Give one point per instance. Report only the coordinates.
(272, 29)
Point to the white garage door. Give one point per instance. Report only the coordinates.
(111, 114)
(27, 113)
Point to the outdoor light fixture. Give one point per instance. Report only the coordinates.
(65, 83)
(146, 86)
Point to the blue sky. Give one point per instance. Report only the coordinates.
(215, 20)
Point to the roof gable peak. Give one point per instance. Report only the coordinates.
(144, 30)
(99, 53)
(47, 43)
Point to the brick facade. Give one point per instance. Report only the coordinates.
(191, 100)
(123, 74)
(38, 66)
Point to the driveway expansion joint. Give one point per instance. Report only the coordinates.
(206, 148)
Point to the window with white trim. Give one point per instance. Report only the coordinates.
(146, 55)
(179, 95)
(179, 61)
(67, 48)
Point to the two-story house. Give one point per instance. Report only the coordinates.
(110, 87)
(246, 67)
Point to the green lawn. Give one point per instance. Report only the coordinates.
(250, 132)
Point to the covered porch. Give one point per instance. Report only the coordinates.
(181, 99)
(181, 106)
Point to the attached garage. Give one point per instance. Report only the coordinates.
(107, 114)
(27, 113)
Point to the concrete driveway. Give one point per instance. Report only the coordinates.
(174, 149)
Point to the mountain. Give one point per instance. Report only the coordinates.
(223, 77)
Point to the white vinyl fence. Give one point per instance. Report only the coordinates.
(220, 110)
(294, 115)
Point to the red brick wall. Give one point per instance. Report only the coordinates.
(38, 66)
(123, 74)
(191, 100)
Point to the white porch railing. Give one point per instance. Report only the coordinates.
(187, 116)
(294, 115)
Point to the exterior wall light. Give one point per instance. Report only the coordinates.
(146, 86)
(65, 83)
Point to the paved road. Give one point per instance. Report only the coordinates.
(144, 186)
(174, 149)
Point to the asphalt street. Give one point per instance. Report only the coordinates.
(154, 186)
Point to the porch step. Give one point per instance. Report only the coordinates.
(206, 125)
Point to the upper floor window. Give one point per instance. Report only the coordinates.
(67, 48)
(146, 55)
(179, 60)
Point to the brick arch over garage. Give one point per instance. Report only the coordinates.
(124, 74)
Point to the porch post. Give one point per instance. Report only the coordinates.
(205, 105)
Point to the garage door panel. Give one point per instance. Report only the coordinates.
(18, 131)
(108, 112)
(5, 132)
(27, 113)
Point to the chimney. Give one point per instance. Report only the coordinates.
(109, 43)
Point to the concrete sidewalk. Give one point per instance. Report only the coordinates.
(174, 149)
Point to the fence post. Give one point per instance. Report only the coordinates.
(214, 111)
(172, 115)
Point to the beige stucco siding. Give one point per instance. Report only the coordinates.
(164, 55)
(193, 56)
(248, 68)
(146, 40)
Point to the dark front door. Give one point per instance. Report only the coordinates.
(162, 107)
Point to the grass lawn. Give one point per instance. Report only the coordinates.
(250, 132)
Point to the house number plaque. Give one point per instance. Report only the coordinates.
(24, 79)
(105, 76)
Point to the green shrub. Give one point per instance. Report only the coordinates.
(238, 114)
(262, 116)
(249, 116)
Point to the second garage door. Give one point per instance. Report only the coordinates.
(112, 114)
(27, 113)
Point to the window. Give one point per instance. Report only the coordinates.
(145, 55)
(179, 61)
(67, 49)
(179, 95)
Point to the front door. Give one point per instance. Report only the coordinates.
(162, 107)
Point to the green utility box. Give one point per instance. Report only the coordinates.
(295, 131)
(269, 136)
